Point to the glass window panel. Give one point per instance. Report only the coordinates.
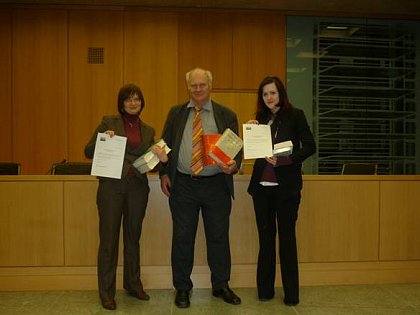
(357, 81)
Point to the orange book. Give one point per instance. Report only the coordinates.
(227, 147)
(209, 142)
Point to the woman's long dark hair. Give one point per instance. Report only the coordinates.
(264, 114)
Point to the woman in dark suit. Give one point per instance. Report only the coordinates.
(275, 188)
(123, 199)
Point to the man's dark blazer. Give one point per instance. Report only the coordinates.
(174, 129)
(291, 125)
(116, 123)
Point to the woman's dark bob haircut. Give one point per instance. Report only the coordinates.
(126, 92)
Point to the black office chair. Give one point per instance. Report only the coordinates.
(359, 169)
(71, 168)
(9, 168)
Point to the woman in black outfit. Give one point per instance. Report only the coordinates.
(275, 188)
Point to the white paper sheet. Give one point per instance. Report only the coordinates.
(257, 141)
(109, 156)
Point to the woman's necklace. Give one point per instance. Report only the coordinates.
(133, 124)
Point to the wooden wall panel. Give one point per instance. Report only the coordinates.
(340, 232)
(205, 40)
(400, 221)
(339, 221)
(244, 244)
(156, 237)
(31, 229)
(258, 48)
(151, 48)
(39, 88)
(243, 104)
(82, 247)
(151, 61)
(6, 85)
(93, 88)
(80, 214)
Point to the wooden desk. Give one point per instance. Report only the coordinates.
(351, 229)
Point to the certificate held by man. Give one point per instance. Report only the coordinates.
(257, 141)
(109, 156)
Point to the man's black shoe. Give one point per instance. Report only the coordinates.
(182, 298)
(291, 302)
(227, 295)
(109, 304)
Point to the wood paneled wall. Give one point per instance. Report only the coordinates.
(92, 87)
(51, 98)
(151, 60)
(352, 212)
(402, 224)
(39, 88)
(6, 85)
(351, 229)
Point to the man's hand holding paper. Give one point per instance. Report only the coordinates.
(161, 152)
(157, 152)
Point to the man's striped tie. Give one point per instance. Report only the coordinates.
(197, 146)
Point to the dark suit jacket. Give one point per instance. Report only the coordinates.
(116, 123)
(290, 125)
(174, 129)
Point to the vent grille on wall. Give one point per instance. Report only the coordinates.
(95, 55)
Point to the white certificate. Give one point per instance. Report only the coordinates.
(109, 156)
(257, 141)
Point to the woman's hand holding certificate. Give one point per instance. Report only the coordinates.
(257, 141)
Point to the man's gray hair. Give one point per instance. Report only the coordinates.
(207, 73)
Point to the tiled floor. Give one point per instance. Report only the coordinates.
(390, 299)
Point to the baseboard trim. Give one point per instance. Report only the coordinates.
(160, 277)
